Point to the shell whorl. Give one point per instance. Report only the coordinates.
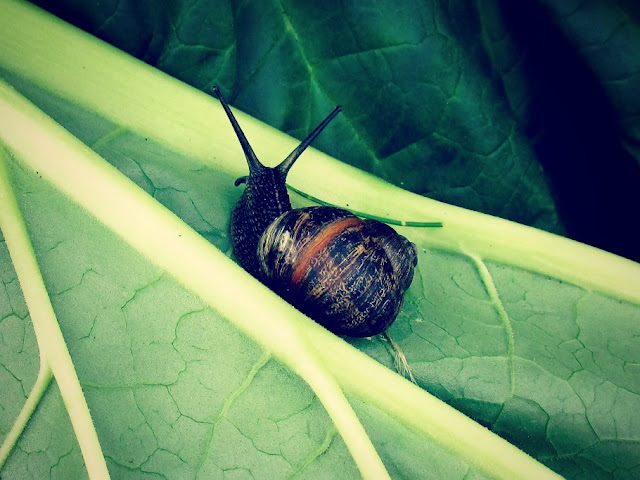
(336, 268)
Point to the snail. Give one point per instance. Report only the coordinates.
(346, 273)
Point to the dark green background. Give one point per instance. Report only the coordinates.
(525, 110)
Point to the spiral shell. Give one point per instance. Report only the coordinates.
(348, 274)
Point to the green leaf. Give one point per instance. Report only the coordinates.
(570, 71)
(524, 112)
(420, 110)
(190, 367)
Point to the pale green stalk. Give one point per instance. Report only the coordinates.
(157, 233)
(35, 46)
(51, 344)
(322, 359)
(37, 391)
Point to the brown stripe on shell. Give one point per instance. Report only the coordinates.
(319, 243)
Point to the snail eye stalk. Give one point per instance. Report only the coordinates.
(293, 156)
(252, 160)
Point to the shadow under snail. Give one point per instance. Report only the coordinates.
(346, 273)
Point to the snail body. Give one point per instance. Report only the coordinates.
(348, 274)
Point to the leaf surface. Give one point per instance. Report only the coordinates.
(524, 113)
(532, 335)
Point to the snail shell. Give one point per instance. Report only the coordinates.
(348, 274)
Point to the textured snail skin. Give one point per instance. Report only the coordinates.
(254, 212)
(348, 274)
